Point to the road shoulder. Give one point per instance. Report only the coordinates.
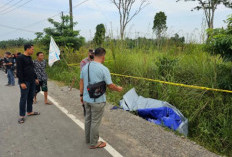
(127, 133)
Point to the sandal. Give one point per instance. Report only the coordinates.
(21, 120)
(100, 145)
(33, 114)
(48, 103)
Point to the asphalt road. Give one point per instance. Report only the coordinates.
(52, 134)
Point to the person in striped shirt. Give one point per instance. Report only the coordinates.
(87, 59)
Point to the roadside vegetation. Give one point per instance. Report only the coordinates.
(167, 59)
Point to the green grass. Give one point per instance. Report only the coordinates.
(209, 113)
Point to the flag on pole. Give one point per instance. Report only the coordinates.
(54, 53)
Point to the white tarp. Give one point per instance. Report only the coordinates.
(54, 53)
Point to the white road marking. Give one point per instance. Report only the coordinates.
(108, 147)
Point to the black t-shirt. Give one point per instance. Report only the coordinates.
(25, 69)
(9, 60)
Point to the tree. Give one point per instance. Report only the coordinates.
(209, 7)
(177, 40)
(220, 41)
(125, 8)
(5, 44)
(62, 34)
(99, 35)
(159, 24)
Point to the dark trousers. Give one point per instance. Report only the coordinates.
(26, 99)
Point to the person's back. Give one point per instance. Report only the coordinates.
(95, 106)
(97, 73)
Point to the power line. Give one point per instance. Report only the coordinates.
(17, 7)
(10, 27)
(22, 29)
(6, 4)
(101, 11)
(55, 14)
(2, 11)
(32, 24)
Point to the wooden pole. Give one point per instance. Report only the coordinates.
(71, 14)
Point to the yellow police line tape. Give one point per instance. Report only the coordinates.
(174, 84)
(169, 83)
(108, 61)
(70, 65)
(79, 64)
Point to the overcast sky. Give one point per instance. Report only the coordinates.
(32, 17)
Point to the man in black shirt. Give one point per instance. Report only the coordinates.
(9, 63)
(27, 81)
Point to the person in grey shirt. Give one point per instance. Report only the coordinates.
(95, 107)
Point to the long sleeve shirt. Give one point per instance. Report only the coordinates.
(40, 67)
(25, 69)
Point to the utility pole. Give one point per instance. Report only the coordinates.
(62, 17)
(71, 14)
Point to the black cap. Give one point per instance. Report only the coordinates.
(91, 51)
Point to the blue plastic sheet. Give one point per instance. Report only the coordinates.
(161, 116)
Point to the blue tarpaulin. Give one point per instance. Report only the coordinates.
(155, 111)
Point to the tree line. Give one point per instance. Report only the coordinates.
(218, 41)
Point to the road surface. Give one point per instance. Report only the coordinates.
(52, 134)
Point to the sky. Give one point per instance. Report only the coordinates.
(30, 16)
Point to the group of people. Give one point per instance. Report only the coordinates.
(8, 63)
(31, 78)
(94, 79)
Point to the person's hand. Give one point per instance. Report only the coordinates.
(37, 81)
(120, 89)
(23, 86)
(81, 98)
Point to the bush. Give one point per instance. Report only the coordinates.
(220, 41)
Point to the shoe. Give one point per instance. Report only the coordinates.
(7, 85)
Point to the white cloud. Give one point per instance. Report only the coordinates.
(88, 15)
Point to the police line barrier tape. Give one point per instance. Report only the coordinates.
(174, 84)
(169, 83)
(71, 65)
(79, 64)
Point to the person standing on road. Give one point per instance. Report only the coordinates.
(94, 72)
(27, 81)
(9, 63)
(40, 66)
(83, 63)
(87, 59)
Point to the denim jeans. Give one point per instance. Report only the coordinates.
(26, 99)
(10, 75)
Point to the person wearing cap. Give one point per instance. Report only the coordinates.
(95, 72)
(87, 59)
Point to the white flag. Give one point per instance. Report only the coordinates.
(54, 52)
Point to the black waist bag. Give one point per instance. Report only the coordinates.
(97, 89)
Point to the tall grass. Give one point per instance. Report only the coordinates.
(209, 113)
